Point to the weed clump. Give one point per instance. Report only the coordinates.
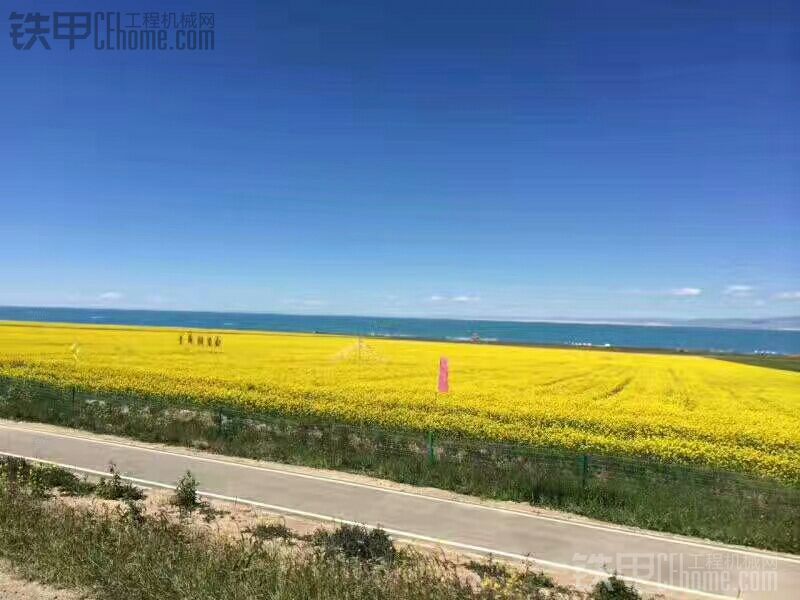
(271, 531)
(615, 588)
(116, 489)
(185, 496)
(488, 568)
(497, 579)
(187, 500)
(370, 546)
(42, 479)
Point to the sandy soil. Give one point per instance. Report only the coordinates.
(16, 588)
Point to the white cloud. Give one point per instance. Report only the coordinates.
(738, 291)
(788, 296)
(461, 298)
(110, 296)
(684, 291)
(309, 302)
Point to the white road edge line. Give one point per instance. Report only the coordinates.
(578, 523)
(395, 532)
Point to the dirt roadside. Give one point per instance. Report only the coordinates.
(13, 587)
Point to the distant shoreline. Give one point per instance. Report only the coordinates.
(409, 338)
(733, 324)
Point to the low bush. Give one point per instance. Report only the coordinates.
(185, 497)
(370, 546)
(615, 588)
(115, 488)
(507, 582)
(43, 478)
(271, 531)
(488, 568)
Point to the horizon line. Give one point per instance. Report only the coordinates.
(628, 321)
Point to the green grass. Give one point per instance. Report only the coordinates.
(43, 479)
(708, 504)
(116, 557)
(783, 363)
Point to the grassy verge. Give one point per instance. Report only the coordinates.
(703, 503)
(783, 363)
(121, 553)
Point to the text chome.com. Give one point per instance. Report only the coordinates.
(113, 30)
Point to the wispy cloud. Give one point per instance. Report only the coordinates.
(738, 291)
(788, 296)
(461, 298)
(682, 292)
(157, 299)
(313, 302)
(685, 291)
(110, 296)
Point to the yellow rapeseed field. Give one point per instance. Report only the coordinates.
(683, 408)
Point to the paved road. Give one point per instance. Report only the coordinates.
(678, 567)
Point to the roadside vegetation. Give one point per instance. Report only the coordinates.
(784, 363)
(119, 551)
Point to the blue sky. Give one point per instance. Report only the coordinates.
(515, 159)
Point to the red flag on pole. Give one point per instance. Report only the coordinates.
(444, 376)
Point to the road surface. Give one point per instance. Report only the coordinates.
(674, 566)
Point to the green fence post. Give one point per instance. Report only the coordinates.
(584, 470)
(431, 449)
(331, 445)
(73, 400)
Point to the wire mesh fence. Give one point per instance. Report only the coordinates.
(655, 494)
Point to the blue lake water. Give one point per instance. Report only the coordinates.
(705, 339)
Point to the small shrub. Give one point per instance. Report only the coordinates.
(488, 568)
(44, 478)
(515, 583)
(356, 541)
(116, 489)
(614, 588)
(271, 531)
(536, 579)
(185, 497)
